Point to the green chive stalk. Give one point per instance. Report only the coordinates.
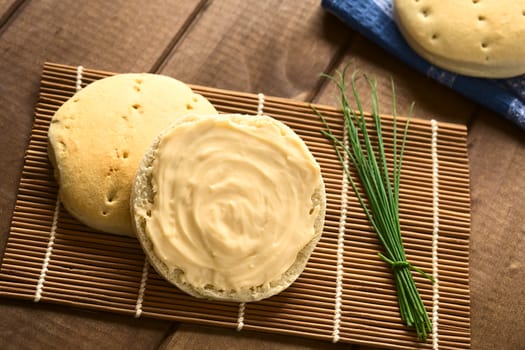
(381, 190)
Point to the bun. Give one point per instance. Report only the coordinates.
(475, 38)
(98, 137)
(145, 192)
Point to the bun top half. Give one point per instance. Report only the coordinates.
(481, 38)
(98, 137)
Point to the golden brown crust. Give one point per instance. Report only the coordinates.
(98, 137)
(476, 38)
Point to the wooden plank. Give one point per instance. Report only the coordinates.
(7, 7)
(116, 35)
(275, 47)
(39, 326)
(497, 164)
(5, 4)
(200, 337)
(432, 99)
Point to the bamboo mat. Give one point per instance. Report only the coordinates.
(345, 293)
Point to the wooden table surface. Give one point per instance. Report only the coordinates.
(279, 48)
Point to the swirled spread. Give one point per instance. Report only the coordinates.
(233, 200)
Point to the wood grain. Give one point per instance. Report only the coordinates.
(207, 338)
(497, 162)
(29, 326)
(7, 8)
(275, 47)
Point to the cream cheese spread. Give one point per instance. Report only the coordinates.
(233, 200)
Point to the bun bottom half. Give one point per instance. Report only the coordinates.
(142, 200)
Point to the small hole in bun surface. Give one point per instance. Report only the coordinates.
(111, 196)
(138, 108)
(62, 146)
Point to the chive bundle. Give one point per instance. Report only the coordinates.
(382, 193)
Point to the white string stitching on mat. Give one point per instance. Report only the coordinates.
(240, 317)
(142, 289)
(260, 105)
(80, 70)
(49, 251)
(242, 306)
(435, 236)
(340, 245)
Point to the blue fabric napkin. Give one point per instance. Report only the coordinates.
(374, 19)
